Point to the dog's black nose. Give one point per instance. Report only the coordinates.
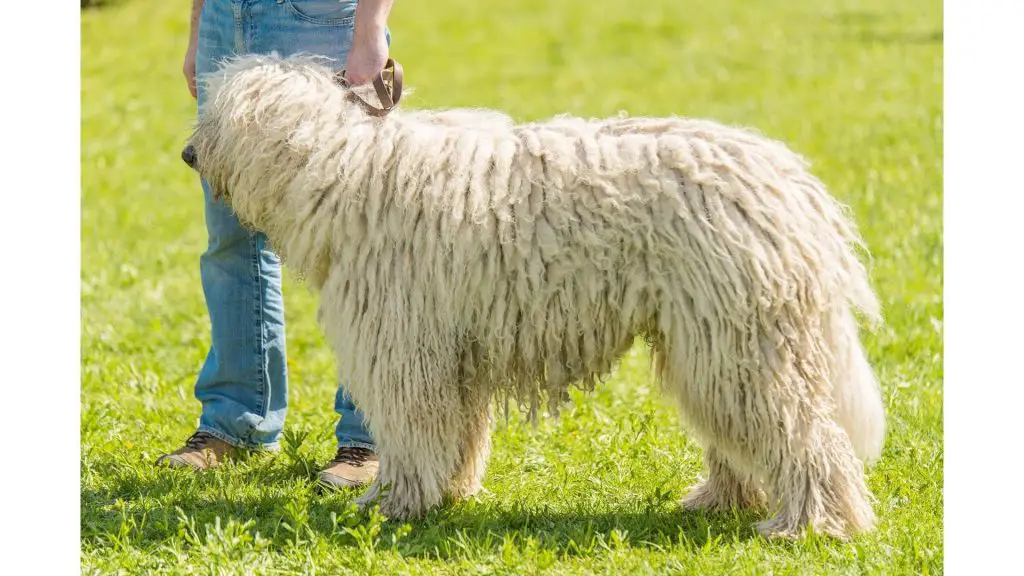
(189, 156)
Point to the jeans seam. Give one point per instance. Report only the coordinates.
(261, 352)
(236, 9)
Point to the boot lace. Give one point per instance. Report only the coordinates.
(353, 455)
(198, 440)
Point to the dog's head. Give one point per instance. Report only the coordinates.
(265, 115)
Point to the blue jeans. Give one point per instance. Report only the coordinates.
(243, 384)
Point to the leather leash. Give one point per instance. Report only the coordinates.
(388, 85)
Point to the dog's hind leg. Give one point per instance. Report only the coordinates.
(808, 458)
(773, 415)
(820, 484)
(725, 488)
(836, 423)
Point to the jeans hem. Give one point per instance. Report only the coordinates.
(237, 443)
(353, 444)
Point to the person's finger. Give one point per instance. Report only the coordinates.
(190, 78)
(355, 77)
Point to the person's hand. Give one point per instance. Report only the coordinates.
(189, 68)
(367, 57)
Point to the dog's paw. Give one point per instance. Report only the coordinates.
(711, 496)
(777, 529)
(772, 530)
(465, 491)
(369, 498)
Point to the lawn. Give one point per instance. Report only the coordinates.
(855, 85)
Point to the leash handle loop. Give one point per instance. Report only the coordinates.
(387, 84)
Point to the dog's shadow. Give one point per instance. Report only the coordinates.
(467, 528)
(155, 511)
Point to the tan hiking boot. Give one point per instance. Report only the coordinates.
(352, 467)
(201, 451)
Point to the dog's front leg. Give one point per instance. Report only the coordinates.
(414, 413)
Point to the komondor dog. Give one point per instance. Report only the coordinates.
(462, 258)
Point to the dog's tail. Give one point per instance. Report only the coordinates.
(858, 399)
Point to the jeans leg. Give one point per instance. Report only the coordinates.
(243, 383)
(350, 430)
(323, 28)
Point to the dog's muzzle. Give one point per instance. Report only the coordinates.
(188, 155)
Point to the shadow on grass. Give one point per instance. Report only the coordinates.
(154, 512)
(455, 532)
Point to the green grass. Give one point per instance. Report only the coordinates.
(854, 85)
